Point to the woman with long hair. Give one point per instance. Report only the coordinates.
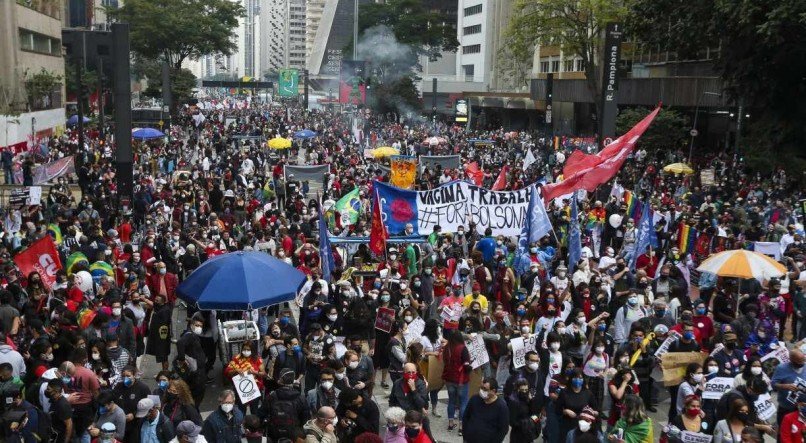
(731, 427)
(456, 375)
(432, 342)
(572, 400)
(691, 419)
(247, 362)
(634, 426)
(178, 403)
(100, 363)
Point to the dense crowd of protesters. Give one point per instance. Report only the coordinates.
(320, 363)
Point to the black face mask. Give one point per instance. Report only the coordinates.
(524, 396)
(730, 346)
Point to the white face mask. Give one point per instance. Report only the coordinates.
(599, 349)
(584, 426)
(246, 353)
(227, 407)
(353, 365)
(561, 330)
(340, 375)
(581, 320)
(96, 356)
(484, 394)
(696, 377)
(555, 346)
(116, 312)
(196, 330)
(755, 371)
(408, 318)
(533, 366)
(712, 369)
(524, 329)
(327, 385)
(332, 317)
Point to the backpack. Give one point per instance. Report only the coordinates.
(43, 428)
(282, 417)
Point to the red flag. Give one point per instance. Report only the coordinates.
(589, 171)
(501, 181)
(377, 233)
(474, 173)
(41, 257)
(579, 161)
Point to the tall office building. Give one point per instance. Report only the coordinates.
(282, 35)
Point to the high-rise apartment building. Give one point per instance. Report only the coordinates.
(282, 35)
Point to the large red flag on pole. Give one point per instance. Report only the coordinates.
(501, 181)
(377, 233)
(41, 257)
(473, 172)
(589, 171)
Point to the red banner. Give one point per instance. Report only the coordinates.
(41, 257)
(377, 233)
(589, 171)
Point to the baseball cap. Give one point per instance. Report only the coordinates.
(143, 406)
(188, 429)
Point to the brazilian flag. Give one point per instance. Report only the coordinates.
(75, 259)
(56, 232)
(349, 207)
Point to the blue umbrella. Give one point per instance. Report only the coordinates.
(147, 133)
(240, 281)
(305, 133)
(73, 120)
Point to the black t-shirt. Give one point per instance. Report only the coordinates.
(60, 410)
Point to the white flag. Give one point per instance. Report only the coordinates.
(529, 159)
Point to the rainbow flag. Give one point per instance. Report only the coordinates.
(634, 206)
(686, 237)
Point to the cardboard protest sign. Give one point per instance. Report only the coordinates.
(384, 319)
(674, 365)
(717, 387)
(435, 368)
(478, 352)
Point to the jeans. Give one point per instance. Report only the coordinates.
(457, 398)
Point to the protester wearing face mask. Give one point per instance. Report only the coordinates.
(523, 411)
(626, 316)
(642, 361)
(738, 417)
(189, 345)
(109, 413)
(793, 425)
(784, 381)
(224, 424)
(691, 419)
(127, 393)
(486, 417)
(395, 431)
(247, 362)
(693, 384)
(573, 400)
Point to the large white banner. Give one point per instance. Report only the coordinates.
(453, 205)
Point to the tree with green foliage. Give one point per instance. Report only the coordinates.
(577, 27)
(668, 131)
(761, 61)
(175, 30)
(182, 80)
(40, 87)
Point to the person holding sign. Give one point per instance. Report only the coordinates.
(788, 379)
(692, 420)
(693, 385)
(793, 426)
(246, 363)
